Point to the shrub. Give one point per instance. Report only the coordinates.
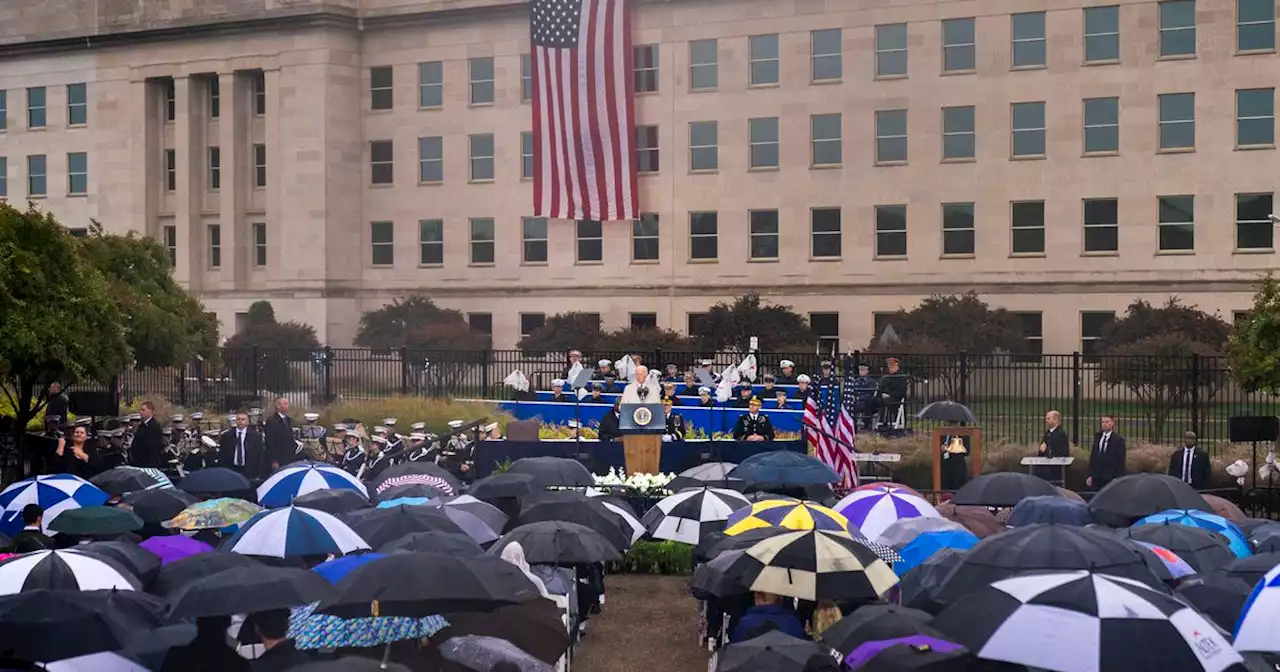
(655, 557)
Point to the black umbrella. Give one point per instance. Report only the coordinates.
(772, 652)
(1265, 538)
(50, 625)
(1203, 549)
(380, 527)
(709, 475)
(1005, 488)
(716, 578)
(921, 586)
(423, 584)
(502, 486)
(587, 513)
(414, 490)
(947, 411)
(335, 500)
(556, 542)
(535, 627)
(96, 521)
(177, 574)
(1249, 525)
(350, 664)
(1250, 569)
(216, 480)
(783, 469)
(715, 543)
(877, 622)
(140, 561)
(434, 542)
(157, 506)
(416, 473)
(553, 471)
(120, 480)
(1128, 498)
(245, 590)
(1217, 596)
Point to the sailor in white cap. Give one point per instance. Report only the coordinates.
(312, 436)
(787, 376)
(395, 441)
(705, 399)
(335, 441)
(604, 369)
(456, 453)
(376, 459)
(575, 428)
(802, 387)
(418, 427)
(557, 392)
(456, 424)
(353, 455)
(420, 447)
(491, 432)
(379, 430)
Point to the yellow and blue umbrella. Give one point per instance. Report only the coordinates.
(790, 514)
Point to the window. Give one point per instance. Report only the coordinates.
(1033, 335)
(1255, 25)
(431, 159)
(1102, 34)
(170, 99)
(644, 237)
(1177, 28)
(1241, 316)
(959, 139)
(959, 45)
(1255, 117)
(1101, 125)
(171, 243)
(481, 152)
(215, 168)
(381, 88)
(1177, 120)
(1092, 324)
(260, 166)
(1101, 225)
(533, 233)
(37, 176)
(826, 55)
(1028, 40)
(382, 243)
(1028, 129)
(259, 93)
(1177, 223)
(481, 240)
(77, 174)
(880, 322)
(694, 323)
(590, 235)
(481, 72)
(644, 321)
(704, 151)
(891, 136)
(480, 323)
(824, 233)
(764, 142)
(1254, 229)
(763, 53)
(891, 231)
(704, 70)
(215, 97)
(36, 110)
(382, 162)
(1027, 220)
(431, 84)
(957, 229)
(531, 322)
(260, 244)
(430, 242)
(825, 144)
(764, 234)
(703, 235)
(4, 109)
(526, 78)
(78, 232)
(170, 170)
(647, 149)
(526, 155)
(4, 177)
(77, 105)
(891, 50)
(827, 327)
(214, 236)
(646, 67)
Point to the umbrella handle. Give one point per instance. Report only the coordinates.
(386, 657)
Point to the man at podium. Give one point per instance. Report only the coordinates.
(753, 425)
(644, 390)
(1054, 444)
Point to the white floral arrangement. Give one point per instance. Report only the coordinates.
(645, 484)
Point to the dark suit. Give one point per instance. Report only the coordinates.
(1199, 467)
(609, 430)
(280, 448)
(255, 465)
(27, 541)
(1056, 445)
(147, 449)
(675, 427)
(1106, 466)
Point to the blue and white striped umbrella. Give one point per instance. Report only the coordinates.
(54, 493)
(1236, 539)
(292, 532)
(1259, 625)
(301, 479)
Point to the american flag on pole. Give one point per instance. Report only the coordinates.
(821, 420)
(583, 110)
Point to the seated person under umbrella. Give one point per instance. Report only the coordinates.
(767, 614)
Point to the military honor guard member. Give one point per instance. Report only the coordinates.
(705, 399)
(675, 422)
(787, 374)
(558, 393)
(753, 425)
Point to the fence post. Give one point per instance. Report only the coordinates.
(963, 392)
(404, 371)
(253, 365)
(658, 364)
(1077, 390)
(857, 358)
(182, 384)
(328, 374)
(1195, 392)
(486, 360)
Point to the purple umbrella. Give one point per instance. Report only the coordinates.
(867, 650)
(175, 547)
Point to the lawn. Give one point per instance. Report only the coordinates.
(649, 624)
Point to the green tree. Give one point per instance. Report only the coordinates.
(440, 348)
(1253, 349)
(644, 340)
(730, 326)
(563, 332)
(261, 356)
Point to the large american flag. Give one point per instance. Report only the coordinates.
(829, 428)
(583, 110)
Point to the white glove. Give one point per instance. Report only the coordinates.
(666, 438)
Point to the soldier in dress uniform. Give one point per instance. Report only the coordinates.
(420, 446)
(864, 397)
(312, 437)
(336, 443)
(802, 388)
(891, 393)
(675, 422)
(395, 442)
(787, 374)
(746, 392)
(669, 392)
(490, 432)
(376, 460)
(203, 457)
(753, 425)
(705, 399)
(826, 374)
(557, 392)
(604, 369)
(353, 456)
(455, 456)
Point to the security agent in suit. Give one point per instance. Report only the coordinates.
(280, 448)
(1106, 455)
(147, 449)
(675, 423)
(753, 425)
(1190, 464)
(241, 449)
(609, 424)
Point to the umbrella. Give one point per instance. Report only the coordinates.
(245, 590)
(556, 542)
(914, 652)
(1046, 509)
(921, 587)
(157, 506)
(1202, 549)
(873, 511)
(716, 543)
(292, 532)
(1236, 539)
(1225, 508)
(533, 626)
(588, 513)
(688, 516)
(311, 631)
(121, 480)
(815, 565)
(178, 573)
(784, 468)
(54, 494)
(502, 486)
(174, 547)
(1219, 597)
(1131, 497)
(625, 516)
(888, 486)
(50, 625)
(977, 519)
(216, 480)
(490, 514)
(335, 570)
(417, 473)
(425, 584)
(380, 527)
(470, 524)
(1250, 569)
(105, 661)
(709, 475)
(1162, 562)
(478, 652)
(903, 530)
(787, 513)
(1004, 488)
(1249, 525)
(437, 542)
(1265, 538)
(96, 521)
(1259, 625)
(927, 544)
(294, 481)
(875, 622)
(63, 570)
(139, 561)
(947, 411)
(213, 514)
(553, 471)
(1084, 621)
(718, 578)
(410, 490)
(771, 652)
(337, 501)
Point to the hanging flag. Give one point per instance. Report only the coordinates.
(583, 110)
(846, 432)
(814, 438)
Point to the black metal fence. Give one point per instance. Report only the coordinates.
(1153, 398)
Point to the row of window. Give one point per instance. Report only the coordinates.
(38, 175)
(213, 244)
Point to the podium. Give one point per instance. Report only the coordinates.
(642, 427)
(1047, 463)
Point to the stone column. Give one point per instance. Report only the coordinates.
(232, 143)
(280, 262)
(188, 145)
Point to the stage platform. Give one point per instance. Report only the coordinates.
(710, 420)
(601, 456)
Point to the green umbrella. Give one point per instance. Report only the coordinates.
(96, 521)
(213, 514)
